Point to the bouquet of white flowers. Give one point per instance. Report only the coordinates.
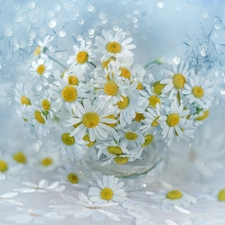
(106, 107)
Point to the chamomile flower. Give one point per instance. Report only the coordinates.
(151, 119)
(110, 189)
(20, 152)
(177, 80)
(70, 146)
(46, 104)
(41, 68)
(198, 91)
(174, 121)
(111, 148)
(23, 95)
(82, 58)
(174, 198)
(68, 95)
(130, 137)
(36, 117)
(92, 119)
(130, 104)
(132, 72)
(111, 86)
(69, 173)
(43, 46)
(117, 46)
(8, 167)
(45, 159)
(74, 77)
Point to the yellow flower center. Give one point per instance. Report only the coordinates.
(115, 150)
(73, 178)
(3, 166)
(125, 72)
(204, 116)
(69, 93)
(41, 69)
(131, 136)
(106, 63)
(20, 157)
(37, 51)
(106, 194)
(197, 91)
(25, 101)
(139, 117)
(148, 140)
(155, 122)
(67, 140)
(46, 162)
(139, 86)
(179, 81)
(123, 104)
(157, 87)
(111, 124)
(73, 80)
(39, 117)
(221, 195)
(153, 100)
(174, 195)
(111, 88)
(91, 119)
(82, 57)
(113, 47)
(173, 120)
(121, 160)
(46, 104)
(90, 143)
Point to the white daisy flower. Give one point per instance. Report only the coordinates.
(45, 159)
(131, 137)
(23, 95)
(68, 95)
(132, 72)
(41, 68)
(175, 84)
(92, 119)
(110, 189)
(112, 86)
(151, 119)
(43, 46)
(20, 152)
(34, 216)
(174, 121)
(74, 77)
(8, 167)
(174, 198)
(83, 57)
(70, 146)
(198, 90)
(82, 207)
(46, 104)
(117, 46)
(111, 148)
(42, 187)
(131, 104)
(36, 117)
(69, 173)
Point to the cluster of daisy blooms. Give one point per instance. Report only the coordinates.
(104, 105)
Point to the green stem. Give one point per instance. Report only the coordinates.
(157, 61)
(92, 64)
(57, 62)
